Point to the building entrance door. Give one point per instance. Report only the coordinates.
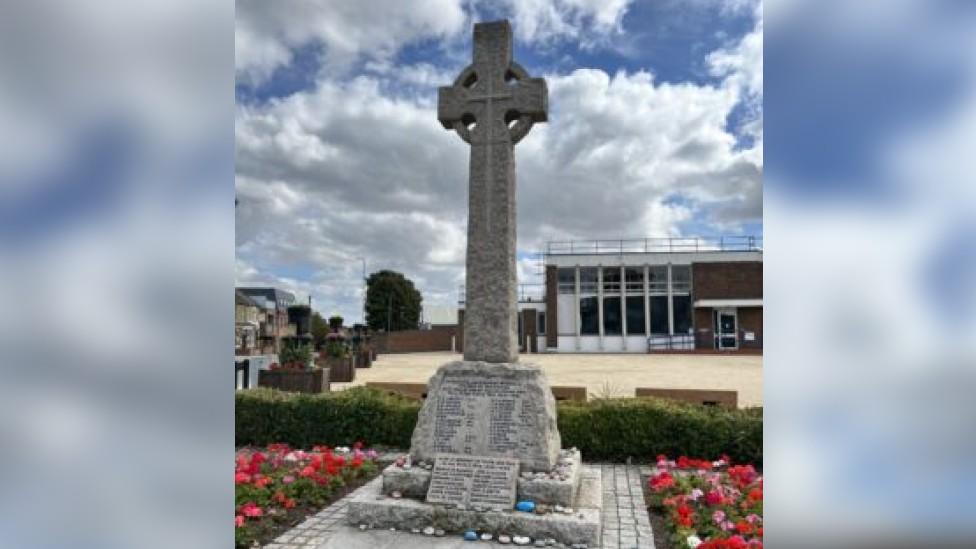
(726, 329)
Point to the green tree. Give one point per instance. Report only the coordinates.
(335, 322)
(392, 302)
(319, 329)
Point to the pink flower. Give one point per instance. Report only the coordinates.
(718, 516)
(695, 494)
(752, 518)
(288, 479)
(250, 509)
(372, 454)
(727, 525)
(239, 521)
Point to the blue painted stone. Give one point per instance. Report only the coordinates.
(525, 506)
(471, 535)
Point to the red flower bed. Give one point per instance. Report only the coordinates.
(276, 487)
(709, 505)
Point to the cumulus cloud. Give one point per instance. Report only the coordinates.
(360, 168)
(267, 32)
(592, 22)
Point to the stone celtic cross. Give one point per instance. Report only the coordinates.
(492, 106)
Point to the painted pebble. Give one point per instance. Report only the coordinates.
(522, 540)
(504, 540)
(525, 506)
(486, 536)
(429, 531)
(470, 535)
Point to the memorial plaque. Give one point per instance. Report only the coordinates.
(474, 481)
(491, 410)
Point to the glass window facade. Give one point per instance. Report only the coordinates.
(682, 314)
(567, 280)
(611, 280)
(635, 315)
(659, 314)
(657, 278)
(681, 278)
(612, 323)
(589, 316)
(634, 280)
(588, 277)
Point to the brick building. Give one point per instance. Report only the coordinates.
(272, 318)
(647, 295)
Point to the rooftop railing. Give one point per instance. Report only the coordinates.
(526, 293)
(650, 245)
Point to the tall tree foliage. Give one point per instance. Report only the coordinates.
(319, 328)
(392, 302)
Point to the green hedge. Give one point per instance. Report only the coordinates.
(611, 429)
(263, 416)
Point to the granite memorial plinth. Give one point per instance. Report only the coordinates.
(493, 410)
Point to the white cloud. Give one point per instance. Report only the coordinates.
(361, 167)
(592, 22)
(267, 32)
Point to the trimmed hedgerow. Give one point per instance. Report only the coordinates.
(605, 429)
(641, 428)
(264, 416)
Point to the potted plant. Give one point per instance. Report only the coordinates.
(338, 358)
(296, 370)
(360, 343)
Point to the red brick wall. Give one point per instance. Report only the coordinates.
(529, 330)
(460, 331)
(727, 280)
(751, 320)
(438, 338)
(552, 289)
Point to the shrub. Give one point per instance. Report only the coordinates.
(612, 429)
(295, 352)
(265, 416)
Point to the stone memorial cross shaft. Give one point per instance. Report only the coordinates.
(492, 106)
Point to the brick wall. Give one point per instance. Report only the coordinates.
(552, 289)
(727, 280)
(751, 320)
(529, 330)
(460, 331)
(438, 338)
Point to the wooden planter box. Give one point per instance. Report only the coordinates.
(316, 381)
(341, 370)
(364, 358)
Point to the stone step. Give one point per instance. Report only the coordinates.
(413, 482)
(369, 506)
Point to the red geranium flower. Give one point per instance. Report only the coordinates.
(661, 481)
(251, 509)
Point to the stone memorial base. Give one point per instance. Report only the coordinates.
(582, 525)
(556, 487)
(485, 456)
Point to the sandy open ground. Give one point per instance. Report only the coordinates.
(616, 374)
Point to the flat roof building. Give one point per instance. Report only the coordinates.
(645, 295)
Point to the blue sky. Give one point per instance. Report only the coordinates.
(655, 129)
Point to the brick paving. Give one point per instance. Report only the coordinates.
(625, 521)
